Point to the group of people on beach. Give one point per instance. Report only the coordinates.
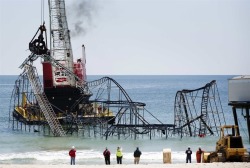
(199, 153)
(137, 154)
(106, 154)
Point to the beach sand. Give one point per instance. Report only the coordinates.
(188, 165)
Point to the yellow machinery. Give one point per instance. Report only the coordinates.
(28, 111)
(229, 147)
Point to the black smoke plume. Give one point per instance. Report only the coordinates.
(80, 14)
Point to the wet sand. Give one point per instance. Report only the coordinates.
(186, 165)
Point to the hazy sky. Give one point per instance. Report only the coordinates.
(138, 37)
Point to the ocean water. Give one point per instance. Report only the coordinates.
(158, 92)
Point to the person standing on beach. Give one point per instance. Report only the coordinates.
(106, 155)
(137, 154)
(119, 155)
(189, 153)
(72, 154)
(199, 153)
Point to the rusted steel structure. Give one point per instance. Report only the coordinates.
(198, 112)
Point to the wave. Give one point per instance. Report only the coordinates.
(83, 156)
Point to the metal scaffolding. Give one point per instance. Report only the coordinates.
(109, 111)
(198, 112)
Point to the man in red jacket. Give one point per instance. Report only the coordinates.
(106, 155)
(72, 154)
(199, 155)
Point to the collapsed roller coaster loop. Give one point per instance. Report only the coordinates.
(198, 112)
(130, 117)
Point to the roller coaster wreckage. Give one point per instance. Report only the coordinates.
(94, 116)
(67, 104)
(198, 112)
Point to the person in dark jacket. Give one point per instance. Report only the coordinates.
(137, 154)
(72, 154)
(189, 153)
(106, 155)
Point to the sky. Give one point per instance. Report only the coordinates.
(137, 37)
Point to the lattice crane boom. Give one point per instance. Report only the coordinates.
(60, 44)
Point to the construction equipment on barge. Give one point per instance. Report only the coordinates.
(65, 103)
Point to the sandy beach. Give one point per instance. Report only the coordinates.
(189, 165)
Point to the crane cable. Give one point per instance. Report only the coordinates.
(42, 12)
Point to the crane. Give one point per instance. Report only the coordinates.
(62, 77)
(64, 81)
(64, 101)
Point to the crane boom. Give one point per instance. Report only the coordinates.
(62, 77)
(60, 45)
